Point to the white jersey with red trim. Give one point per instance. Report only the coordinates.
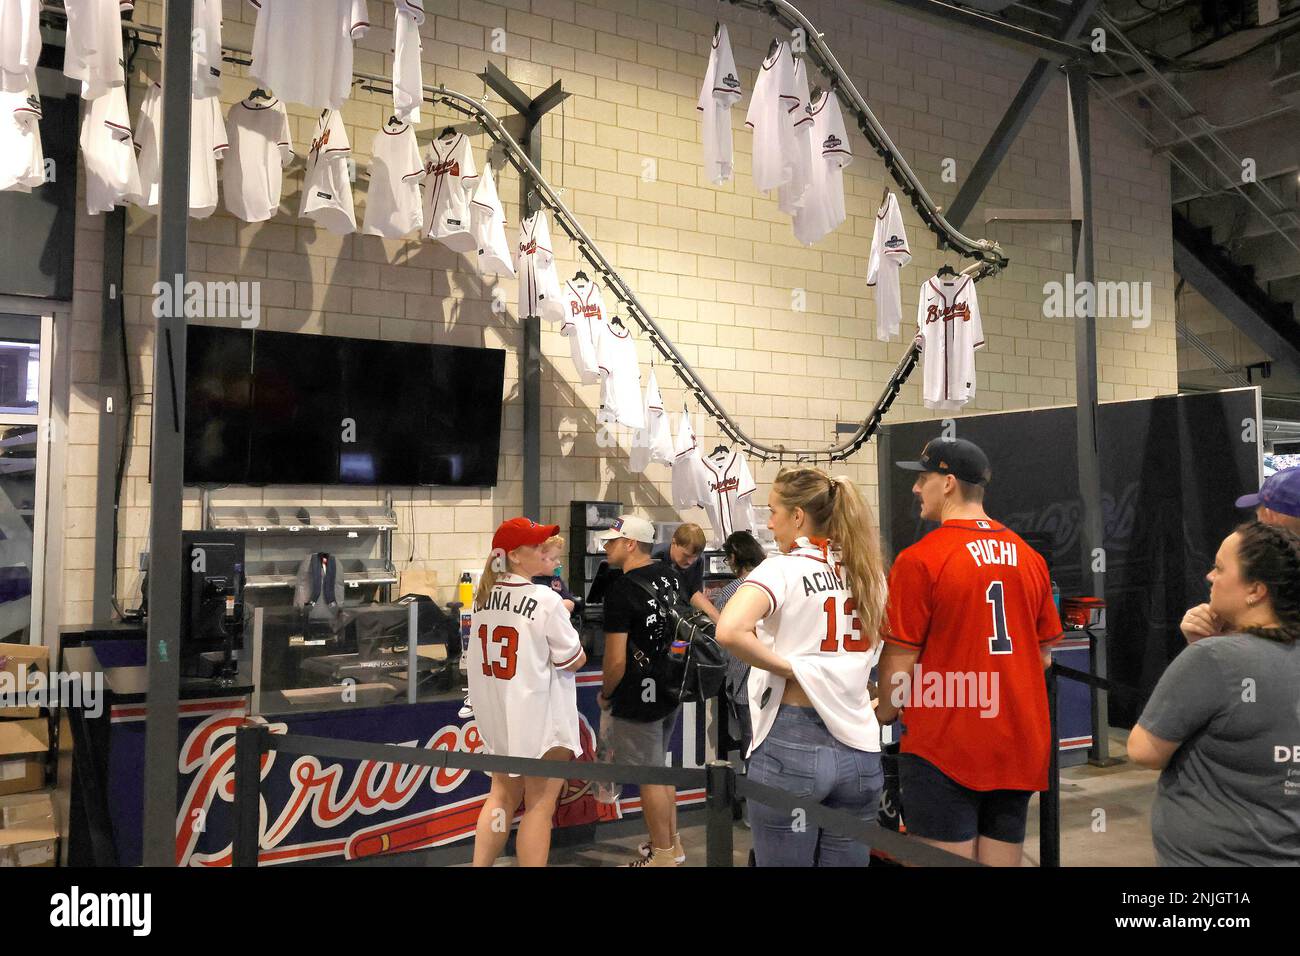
(584, 319)
(20, 44)
(728, 487)
(327, 189)
(689, 487)
(721, 90)
(93, 51)
(488, 223)
(539, 284)
(302, 49)
(408, 76)
(205, 77)
(823, 210)
(790, 198)
(948, 319)
(108, 151)
(652, 442)
(449, 180)
(260, 148)
(208, 143)
(22, 160)
(393, 207)
(620, 376)
(812, 622)
(769, 116)
(889, 253)
(524, 703)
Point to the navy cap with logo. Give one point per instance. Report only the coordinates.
(1280, 492)
(953, 456)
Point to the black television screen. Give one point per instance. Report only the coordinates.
(218, 403)
(462, 434)
(297, 409)
(385, 387)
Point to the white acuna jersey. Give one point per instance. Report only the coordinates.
(539, 284)
(449, 180)
(393, 204)
(828, 143)
(488, 223)
(584, 320)
(524, 702)
(811, 621)
(22, 160)
(652, 443)
(790, 197)
(948, 320)
(889, 253)
(302, 49)
(20, 44)
(93, 53)
(327, 188)
(721, 90)
(620, 376)
(768, 116)
(724, 489)
(253, 167)
(108, 151)
(688, 482)
(408, 78)
(206, 45)
(208, 143)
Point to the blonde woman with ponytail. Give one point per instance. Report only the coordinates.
(808, 622)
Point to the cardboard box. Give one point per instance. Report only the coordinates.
(24, 746)
(28, 834)
(16, 660)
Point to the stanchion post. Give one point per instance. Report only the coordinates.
(251, 742)
(720, 791)
(1049, 806)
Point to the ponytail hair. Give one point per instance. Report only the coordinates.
(497, 565)
(1270, 555)
(838, 511)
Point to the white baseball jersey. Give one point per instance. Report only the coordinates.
(812, 622)
(408, 77)
(720, 91)
(727, 487)
(539, 284)
(768, 116)
(93, 53)
(206, 44)
(22, 160)
(620, 376)
(449, 180)
(790, 197)
(584, 319)
(524, 702)
(327, 190)
(207, 144)
(302, 49)
(253, 170)
(488, 222)
(108, 151)
(823, 209)
(20, 44)
(948, 319)
(889, 253)
(688, 483)
(652, 443)
(393, 207)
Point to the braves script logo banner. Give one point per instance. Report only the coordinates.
(318, 144)
(590, 311)
(446, 166)
(725, 485)
(948, 314)
(528, 248)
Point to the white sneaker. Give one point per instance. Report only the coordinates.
(466, 709)
(679, 854)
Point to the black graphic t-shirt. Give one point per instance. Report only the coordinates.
(629, 610)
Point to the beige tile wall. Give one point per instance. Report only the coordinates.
(717, 266)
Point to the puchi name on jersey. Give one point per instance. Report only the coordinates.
(499, 600)
(988, 551)
(820, 581)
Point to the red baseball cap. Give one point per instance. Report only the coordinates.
(521, 532)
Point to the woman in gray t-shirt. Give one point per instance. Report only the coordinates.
(1223, 724)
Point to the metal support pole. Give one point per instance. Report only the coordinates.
(112, 412)
(251, 742)
(167, 450)
(720, 793)
(1049, 801)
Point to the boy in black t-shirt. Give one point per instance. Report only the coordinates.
(640, 723)
(685, 555)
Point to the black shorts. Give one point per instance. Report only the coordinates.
(939, 808)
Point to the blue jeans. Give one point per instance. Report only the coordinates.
(801, 756)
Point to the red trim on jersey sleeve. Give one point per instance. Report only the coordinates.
(766, 591)
(563, 664)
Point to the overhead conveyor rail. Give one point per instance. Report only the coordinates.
(988, 255)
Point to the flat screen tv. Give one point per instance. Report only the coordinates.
(274, 408)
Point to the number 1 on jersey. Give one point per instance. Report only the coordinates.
(1000, 642)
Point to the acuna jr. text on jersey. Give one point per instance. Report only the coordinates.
(499, 600)
(820, 581)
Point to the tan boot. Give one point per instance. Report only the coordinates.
(658, 857)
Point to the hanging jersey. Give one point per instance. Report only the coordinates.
(93, 50)
(393, 207)
(823, 209)
(327, 189)
(620, 377)
(20, 44)
(584, 320)
(812, 621)
(728, 487)
(770, 107)
(721, 90)
(790, 197)
(449, 181)
(539, 284)
(253, 169)
(652, 443)
(408, 76)
(520, 641)
(108, 151)
(302, 49)
(206, 46)
(948, 320)
(207, 144)
(488, 221)
(889, 253)
(22, 160)
(689, 489)
(976, 602)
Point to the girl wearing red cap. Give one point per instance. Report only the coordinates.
(523, 659)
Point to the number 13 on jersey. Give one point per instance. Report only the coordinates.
(837, 622)
(508, 639)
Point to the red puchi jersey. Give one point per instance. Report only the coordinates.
(976, 601)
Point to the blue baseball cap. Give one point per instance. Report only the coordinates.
(1280, 492)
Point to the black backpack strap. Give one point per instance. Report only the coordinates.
(329, 577)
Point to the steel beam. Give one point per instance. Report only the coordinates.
(112, 412)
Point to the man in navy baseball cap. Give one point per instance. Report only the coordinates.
(1278, 500)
